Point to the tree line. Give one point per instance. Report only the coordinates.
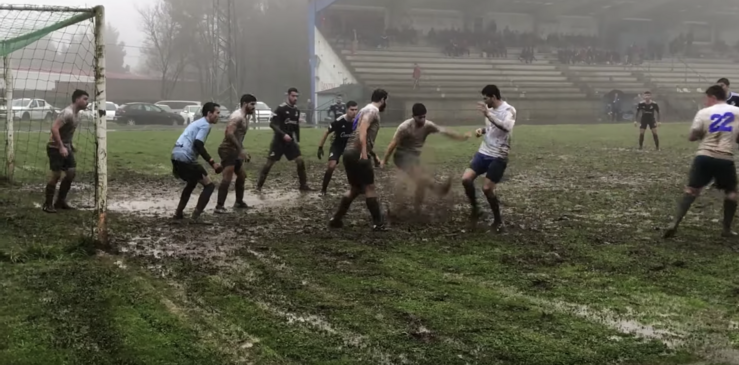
(257, 46)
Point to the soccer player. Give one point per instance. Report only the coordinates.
(342, 128)
(717, 129)
(285, 124)
(492, 157)
(337, 109)
(185, 160)
(732, 98)
(648, 110)
(407, 143)
(232, 153)
(61, 153)
(359, 169)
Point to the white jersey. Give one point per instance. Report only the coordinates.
(719, 125)
(496, 142)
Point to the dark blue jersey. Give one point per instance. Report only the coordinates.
(733, 99)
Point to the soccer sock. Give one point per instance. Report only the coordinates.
(469, 190)
(263, 176)
(50, 190)
(494, 206)
(729, 212)
(185, 197)
(682, 208)
(302, 178)
(656, 140)
(344, 205)
(641, 140)
(205, 197)
(64, 190)
(223, 192)
(326, 179)
(374, 207)
(240, 189)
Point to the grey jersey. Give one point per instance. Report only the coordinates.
(373, 113)
(70, 121)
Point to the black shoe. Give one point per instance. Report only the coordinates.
(497, 227)
(196, 215)
(220, 210)
(728, 234)
(380, 227)
(670, 232)
(324, 192)
(48, 208)
(241, 205)
(178, 216)
(335, 223)
(62, 205)
(305, 188)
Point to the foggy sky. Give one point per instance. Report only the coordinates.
(121, 14)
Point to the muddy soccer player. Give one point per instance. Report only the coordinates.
(60, 151)
(185, 166)
(647, 113)
(357, 165)
(342, 130)
(491, 158)
(285, 124)
(232, 154)
(406, 147)
(717, 128)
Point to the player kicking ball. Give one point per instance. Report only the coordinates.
(185, 160)
(492, 157)
(342, 128)
(407, 144)
(232, 154)
(717, 129)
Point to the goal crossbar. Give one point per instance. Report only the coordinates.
(8, 46)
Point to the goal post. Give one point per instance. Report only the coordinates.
(48, 52)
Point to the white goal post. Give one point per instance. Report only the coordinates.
(24, 25)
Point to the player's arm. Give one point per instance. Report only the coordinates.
(505, 125)
(277, 121)
(331, 129)
(297, 128)
(393, 144)
(55, 135)
(448, 133)
(657, 115)
(233, 123)
(199, 145)
(364, 124)
(697, 129)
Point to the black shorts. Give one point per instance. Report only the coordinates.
(229, 157)
(648, 123)
(335, 152)
(360, 173)
(281, 148)
(57, 162)
(705, 169)
(406, 161)
(188, 171)
(492, 167)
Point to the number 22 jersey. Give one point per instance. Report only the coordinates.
(719, 125)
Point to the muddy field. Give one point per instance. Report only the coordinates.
(580, 275)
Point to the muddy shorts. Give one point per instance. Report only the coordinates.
(705, 169)
(188, 171)
(280, 148)
(359, 173)
(57, 162)
(230, 157)
(406, 161)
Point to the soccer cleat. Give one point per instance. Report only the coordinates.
(178, 216)
(241, 205)
(324, 192)
(196, 215)
(220, 210)
(62, 205)
(497, 227)
(305, 188)
(380, 227)
(728, 234)
(48, 208)
(335, 223)
(670, 232)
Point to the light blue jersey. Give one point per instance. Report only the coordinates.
(184, 149)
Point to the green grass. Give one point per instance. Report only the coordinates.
(579, 269)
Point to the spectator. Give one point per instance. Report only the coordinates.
(416, 76)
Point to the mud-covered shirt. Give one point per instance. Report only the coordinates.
(285, 119)
(373, 113)
(342, 130)
(719, 125)
(410, 136)
(241, 121)
(648, 111)
(496, 142)
(70, 120)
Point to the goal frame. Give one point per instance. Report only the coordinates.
(100, 122)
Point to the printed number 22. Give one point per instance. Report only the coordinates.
(721, 123)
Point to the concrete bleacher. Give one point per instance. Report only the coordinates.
(452, 85)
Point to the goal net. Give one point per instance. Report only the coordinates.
(48, 52)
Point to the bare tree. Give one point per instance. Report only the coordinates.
(167, 43)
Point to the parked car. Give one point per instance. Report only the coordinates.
(110, 109)
(145, 113)
(26, 109)
(177, 105)
(225, 113)
(188, 113)
(264, 113)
